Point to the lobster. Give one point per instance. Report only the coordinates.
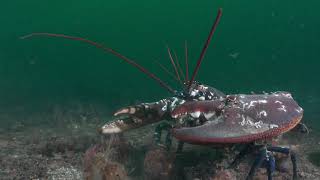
(200, 114)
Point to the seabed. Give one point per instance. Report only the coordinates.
(77, 151)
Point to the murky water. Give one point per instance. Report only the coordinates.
(258, 46)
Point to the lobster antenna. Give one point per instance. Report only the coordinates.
(173, 64)
(106, 49)
(205, 47)
(166, 70)
(187, 68)
(178, 65)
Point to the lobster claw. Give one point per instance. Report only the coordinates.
(196, 109)
(132, 117)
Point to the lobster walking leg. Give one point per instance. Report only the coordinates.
(243, 152)
(168, 141)
(294, 165)
(180, 147)
(266, 156)
(164, 126)
(287, 151)
(270, 165)
(257, 163)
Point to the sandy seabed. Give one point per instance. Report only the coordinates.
(79, 152)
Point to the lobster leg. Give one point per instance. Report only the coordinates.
(257, 163)
(294, 165)
(180, 147)
(302, 128)
(164, 126)
(168, 139)
(243, 152)
(270, 165)
(266, 156)
(287, 151)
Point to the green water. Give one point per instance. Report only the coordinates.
(277, 43)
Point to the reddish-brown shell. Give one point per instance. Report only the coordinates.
(244, 118)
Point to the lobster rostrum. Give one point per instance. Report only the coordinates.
(200, 114)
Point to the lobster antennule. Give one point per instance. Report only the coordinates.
(178, 65)
(186, 59)
(166, 70)
(205, 47)
(106, 49)
(173, 63)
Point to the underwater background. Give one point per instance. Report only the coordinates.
(258, 46)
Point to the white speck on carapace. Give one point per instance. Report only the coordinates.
(182, 101)
(243, 122)
(273, 126)
(258, 124)
(203, 87)
(244, 105)
(288, 95)
(299, 110)
(195, 114)
(252, 104)
(238, 115)
(248, 121)
(279, 102)
(282, 108)
(262, 113)
(174, 102)
(164, 108)
(262, 101)
(209, 115)
(194, 93)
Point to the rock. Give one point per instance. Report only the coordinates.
(103, 169)
(120, 149)
(302, 174)
(224, 175)
(305, 175)
(283, 164)
(158, 164)
(114, 171)
(99, 166)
